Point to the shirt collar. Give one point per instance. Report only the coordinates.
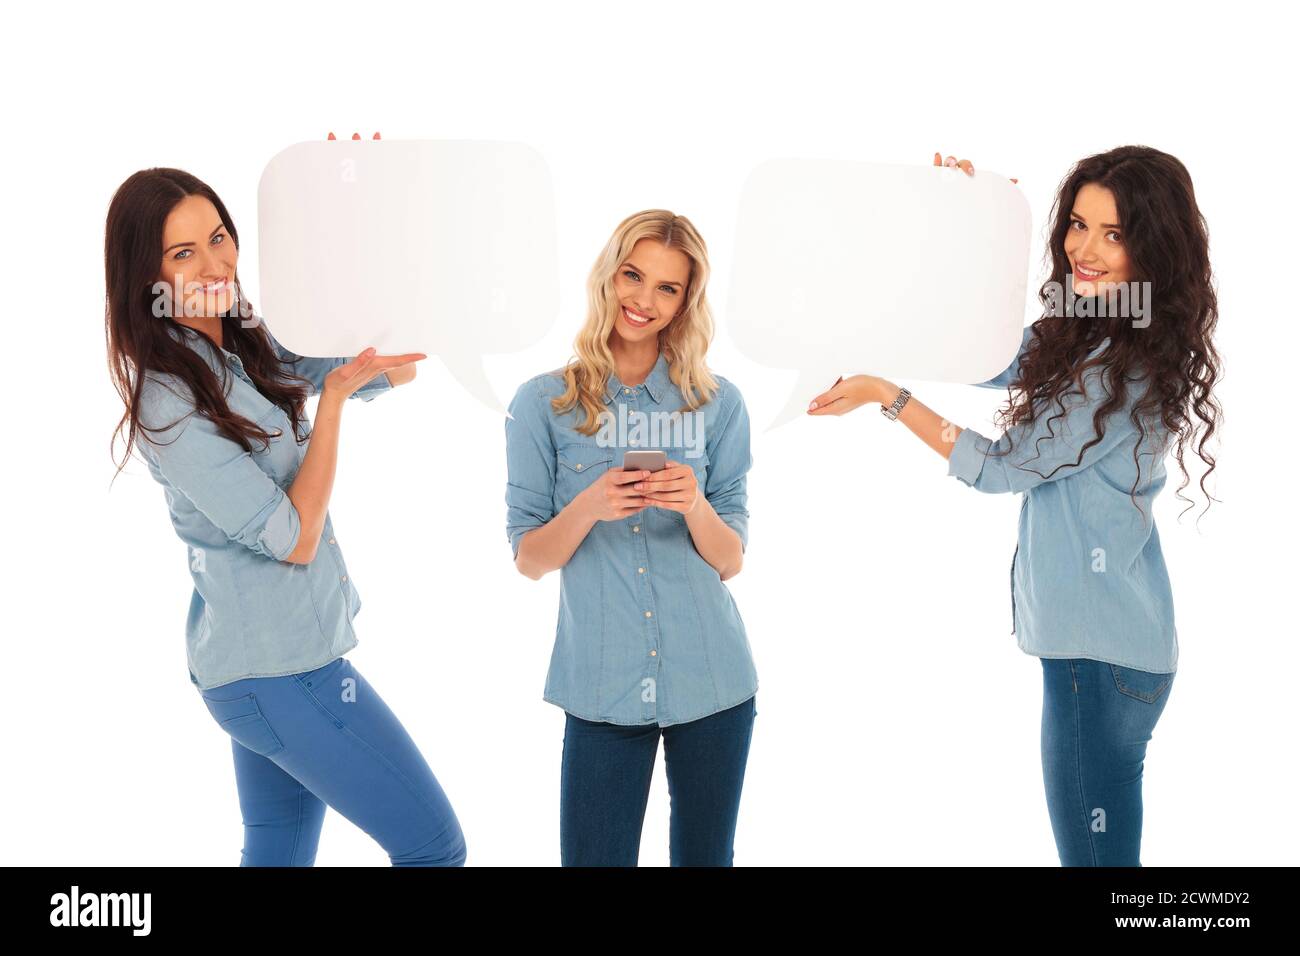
(192, 338)
(656, 383)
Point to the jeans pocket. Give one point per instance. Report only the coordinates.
(243, 719)
(1140, 685)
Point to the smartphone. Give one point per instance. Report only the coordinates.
(645, 460)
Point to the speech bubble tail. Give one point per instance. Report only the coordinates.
(809, 384)
(469, 371)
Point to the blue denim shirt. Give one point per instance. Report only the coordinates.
(647, 631)
(1088, 578)
(251, 613)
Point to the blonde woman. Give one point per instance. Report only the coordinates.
(649, 641)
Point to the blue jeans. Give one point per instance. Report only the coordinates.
(1097, 720)
(605, 785)
(325, 737)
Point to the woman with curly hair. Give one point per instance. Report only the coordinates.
(1097, 399)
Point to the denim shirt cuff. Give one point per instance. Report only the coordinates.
(376, 386)
(967, 458)
(283, 528)
(516, 534)
(740, 524)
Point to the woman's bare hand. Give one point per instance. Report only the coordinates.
(963, 164)
(850, 393)
(673, 488)
(612, 497)
(346, 379)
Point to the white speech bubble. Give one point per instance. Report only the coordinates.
(447, 248)
(899, 271)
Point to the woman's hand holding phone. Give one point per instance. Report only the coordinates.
(612, 496)
(674, 488)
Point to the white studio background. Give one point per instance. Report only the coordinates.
(898, 723)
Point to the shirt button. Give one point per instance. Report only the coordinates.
(627, 391)
(578, 466)
(640, 570)
(636, 528)
(345, 577)
(654, 653)
(331, 540)
(648, 613)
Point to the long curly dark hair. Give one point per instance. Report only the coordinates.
(1167, 242)
(138, 341)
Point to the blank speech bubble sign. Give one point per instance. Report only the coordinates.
(898, 271)
(447, 248)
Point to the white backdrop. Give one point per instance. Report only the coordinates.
(897, 723)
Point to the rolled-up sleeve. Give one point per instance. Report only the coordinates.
(729, 463)
(530, 463)
(1046, 449)
(314, 371)
(219, 478)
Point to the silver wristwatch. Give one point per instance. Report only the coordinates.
(892, 411)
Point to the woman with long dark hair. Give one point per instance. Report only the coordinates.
(215, 405)
(1098, 396)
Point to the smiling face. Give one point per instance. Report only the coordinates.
(1094, 243)
(650, 286)
(199, 257)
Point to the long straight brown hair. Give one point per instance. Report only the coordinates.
(140, 342)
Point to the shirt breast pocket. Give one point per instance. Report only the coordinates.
(578, 465)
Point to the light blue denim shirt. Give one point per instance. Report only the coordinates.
(251, 613)
(647, 632)
(1088, 578)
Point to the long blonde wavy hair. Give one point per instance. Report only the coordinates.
(683, 342)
